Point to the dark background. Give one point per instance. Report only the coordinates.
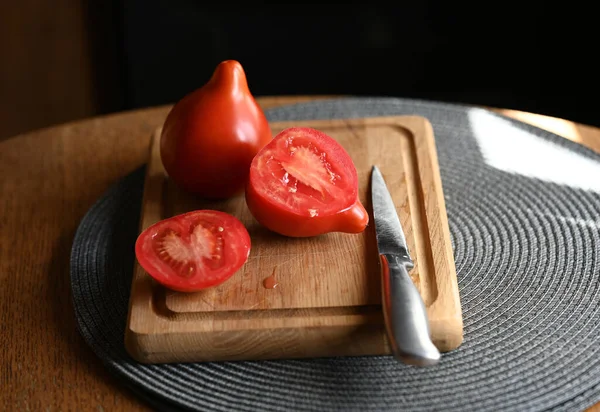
(141, 53)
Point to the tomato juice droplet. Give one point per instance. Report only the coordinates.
(270, 282)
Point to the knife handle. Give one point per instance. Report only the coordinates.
(405, 314)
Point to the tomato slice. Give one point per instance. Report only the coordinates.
(194, 250)
(304, 183)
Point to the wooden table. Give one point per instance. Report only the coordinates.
(48, 181)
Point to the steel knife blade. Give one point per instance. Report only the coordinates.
(404, 312)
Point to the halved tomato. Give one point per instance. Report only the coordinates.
(304, 183)
(194, 250)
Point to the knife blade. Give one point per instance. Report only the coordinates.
(406, 321)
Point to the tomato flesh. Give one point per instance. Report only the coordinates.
(306, 176)
(298, 176)
(194, 250)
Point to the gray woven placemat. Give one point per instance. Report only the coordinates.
(524, 214)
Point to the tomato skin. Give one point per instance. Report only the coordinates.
(224, 248)
(211, 135)
(353, 219)
(343, 212)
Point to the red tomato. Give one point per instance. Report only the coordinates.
(210, 136)
(194, 250)
(304, 183)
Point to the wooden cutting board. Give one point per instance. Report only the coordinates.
(310, 297)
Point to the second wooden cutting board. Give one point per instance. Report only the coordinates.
(309, 297)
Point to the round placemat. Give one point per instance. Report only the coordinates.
(524, 214)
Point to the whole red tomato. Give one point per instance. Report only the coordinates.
(211, 135)
(303, 183)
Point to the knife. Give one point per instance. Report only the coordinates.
(404, 312)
